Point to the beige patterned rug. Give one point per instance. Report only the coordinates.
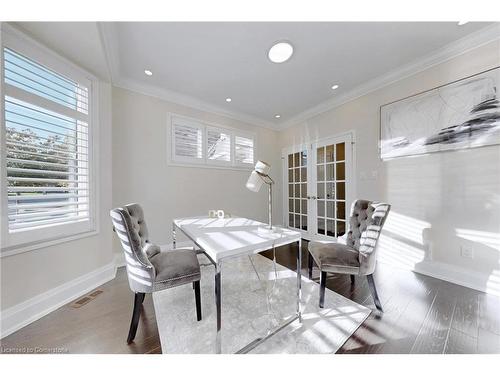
(252, 305)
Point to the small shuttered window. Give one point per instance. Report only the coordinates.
(196, 143)
(46, 147)
(243, 153)
(218, 145)
(187, 140)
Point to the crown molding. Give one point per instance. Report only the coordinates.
(472, 41)
(189, 101)
(454, 49)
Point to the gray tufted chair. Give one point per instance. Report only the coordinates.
(149, 269)
(358, 255)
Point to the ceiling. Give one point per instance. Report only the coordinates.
(204, 63)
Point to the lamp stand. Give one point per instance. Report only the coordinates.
(270, 206)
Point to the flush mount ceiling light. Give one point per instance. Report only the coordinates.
(461, 23)
(228, 100)
(280, 52)
(148, 72)
(335, 87)
(277, 116)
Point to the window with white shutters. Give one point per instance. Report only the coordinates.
(243, 153)
(187, 140)
(218, 145)
(196, 143)
(46, 147)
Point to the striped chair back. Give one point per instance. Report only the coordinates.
(365, 225)
(130, 226)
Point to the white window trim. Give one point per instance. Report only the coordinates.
(176, 161)
(14, 243)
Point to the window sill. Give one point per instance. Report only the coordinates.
(10, 251)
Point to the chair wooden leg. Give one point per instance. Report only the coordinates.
(373, 291)
(310, 264)
(138, 300)
(352, 279)
(197, 296)
(322, 285)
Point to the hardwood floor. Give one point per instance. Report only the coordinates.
(421, 315)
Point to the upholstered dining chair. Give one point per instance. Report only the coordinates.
(358, 255)
(149, 269)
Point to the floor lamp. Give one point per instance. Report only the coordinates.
(258, 177)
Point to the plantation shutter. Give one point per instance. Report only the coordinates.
(46, 145)
(218, 145)
(188, 141)
(244, 148)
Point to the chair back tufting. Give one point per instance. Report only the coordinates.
(131, 228)
(365, 225)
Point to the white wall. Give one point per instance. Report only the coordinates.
(35, 277)
(439, 201)
(141, 173)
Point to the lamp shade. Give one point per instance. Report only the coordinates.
(254, 182)
(262, 167)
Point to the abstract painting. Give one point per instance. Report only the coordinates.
(462, 114)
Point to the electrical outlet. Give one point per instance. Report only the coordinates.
(467, 252)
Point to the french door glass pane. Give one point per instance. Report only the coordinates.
(321, 226)
(321, 190)
(304, 206)
(321, 208)
(340, 154)
(303, 174)
(303, 158)
(341, 190)
(340, 228)
(330, 190)
(303, 190)
(321, 155)
(297, 221)
(341, 210)
(330, 228)
(321, 173)
(297, 206)
(340, 171)
(330, 209)
(329, 154)
(330, 172)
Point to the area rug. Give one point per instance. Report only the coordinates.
(255, 299)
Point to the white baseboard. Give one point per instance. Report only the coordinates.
(453, 274)
(24, 313)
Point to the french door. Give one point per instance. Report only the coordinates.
(319, 187)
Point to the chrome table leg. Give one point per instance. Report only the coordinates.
(173, 236)
(218, 297)
(299, 283)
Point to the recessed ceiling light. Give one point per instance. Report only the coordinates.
(228, 100)
(148, 72)
(335, 87)
(280, 52)
(460, 23)
(277, 116)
